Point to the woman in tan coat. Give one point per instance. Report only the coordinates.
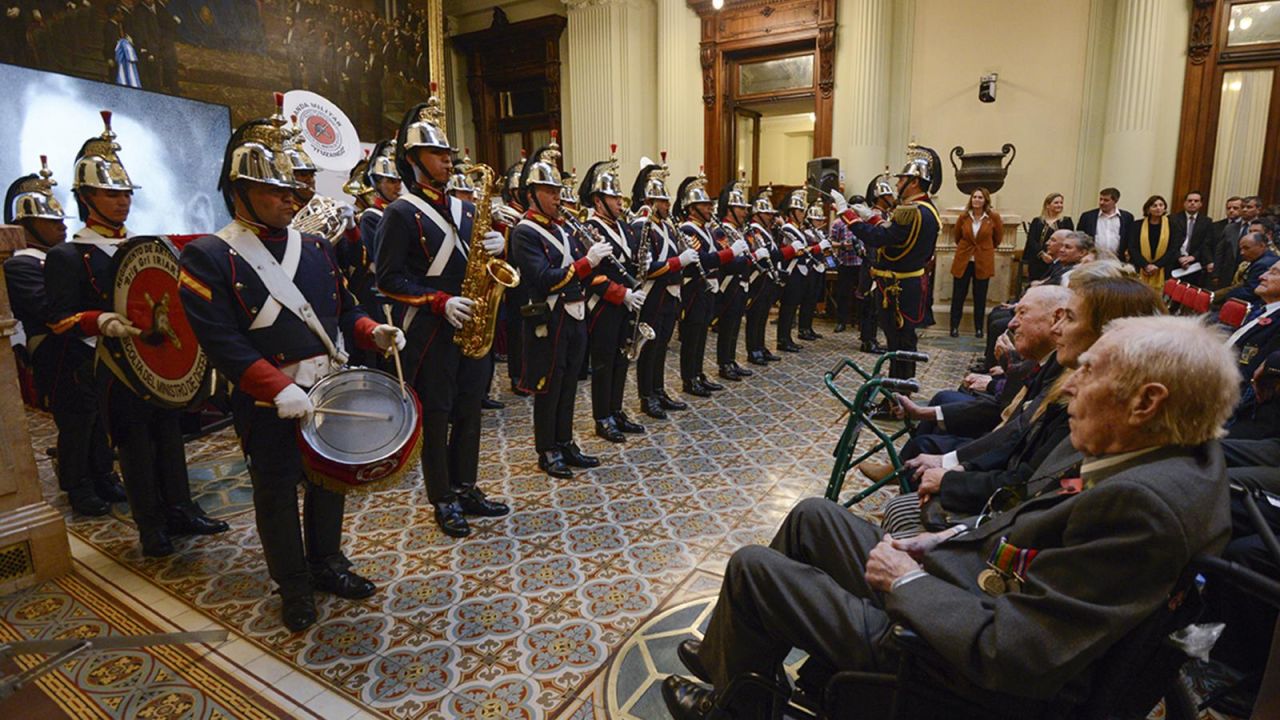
(977, 233)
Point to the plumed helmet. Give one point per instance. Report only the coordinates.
(881, 185)
(422, 126)
(567, 195)
(357, 185)
(255, 153)
(460, 180)
(31, 196)
(511, 179)
(543, 168)
(98, 162)
(692, 190)
(602, 178)
(763, 205)
(795, 200)
(382, 161)
(736, 195)
(651, 183)
(923, 163)
(816, 212)
(296, 150)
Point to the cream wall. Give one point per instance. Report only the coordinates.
(784, 139)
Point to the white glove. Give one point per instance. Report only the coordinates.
(384, 336)
(838, 201)
(688, 257)
(348, 215)
(13, 12)
(457, 310)
(762, 253)
(739, 247)
(864, 211)
(35, 15)
(824, 244)
(115, 325)
(598, 252)
(293, 402)
(494, 243)
(634, 299)
(797, 246)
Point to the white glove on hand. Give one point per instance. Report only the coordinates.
(634, 299)
(115, 325)
(688, 257)
(838, 201)
(797, 246)
(457, 310)
(293, 402)
(864, 211)
(598, 252)
(739, 247)
(348, 215)
(824, 244)
(13, 12)
(494, 243)
(384, 336)
(762, 253)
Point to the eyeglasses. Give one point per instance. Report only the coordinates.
(1002, 500)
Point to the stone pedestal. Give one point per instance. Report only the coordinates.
(33, 536)
(1001, 286)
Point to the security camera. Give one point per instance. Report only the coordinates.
(987, 88)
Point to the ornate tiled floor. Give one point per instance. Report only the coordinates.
(522, 619)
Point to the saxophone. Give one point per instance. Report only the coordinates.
(487, 277)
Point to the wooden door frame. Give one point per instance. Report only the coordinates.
(751, 27)
(755, 140)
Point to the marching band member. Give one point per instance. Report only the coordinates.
(304, 169)
(554, 266)
(701, 283)
(60, 364)
(613, 304)
(903, 246)
(736, 278)
(506, 216)
(662, 286)
(816, 285)
(795, 272)
(79, 282)
(352, 252)
(424, 243)
(384, 178)
(764, 290)
(267, 305)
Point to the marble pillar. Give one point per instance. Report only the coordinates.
(864, 46)
(1130, 140)
(679, 97)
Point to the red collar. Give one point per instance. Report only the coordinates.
(537, 217)
(264, 232)
(118, 233)
(379, 203)
(432, 194)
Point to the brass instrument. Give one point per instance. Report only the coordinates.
(764, 264)
(322, 216)
(590, 237)
(642, 332)
(487, 277)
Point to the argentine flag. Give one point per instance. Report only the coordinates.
(127, 64)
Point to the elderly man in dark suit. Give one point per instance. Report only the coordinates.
(1259, 335)
(1193, 231)
(1105, 542)
(1257, 253)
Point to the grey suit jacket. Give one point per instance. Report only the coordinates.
(1108, 558)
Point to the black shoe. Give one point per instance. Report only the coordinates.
(686, 700)
(669, 403)
(624, 423)
(653, 408)
(978, 333)
(182, 521)
(552, 463)
(343, 583)
(491, 404)
(515, 389)
(839, 328)
(873, 347)
(449, 518)
(87, 503)
(696, 388)
(809, 335)
(109, 488)
(608, 430)
(816, 335)
(687, 651)
(955, 332)
(771, 357)
(743, 371)
(712, 386)
(757, 358)
(156, 543)
(574, 456)
(789, 347)
(474, 502)
(298, 612)
(730, 373)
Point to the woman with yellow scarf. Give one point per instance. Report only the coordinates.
(1152, 251)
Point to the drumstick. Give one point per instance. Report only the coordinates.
(335, 411)
(395, 352)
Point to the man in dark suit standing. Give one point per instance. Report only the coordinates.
(1255, 251)
(1105, 541)
(1193, 230)
(144, 27)
(1109, 226)
(1226, 233)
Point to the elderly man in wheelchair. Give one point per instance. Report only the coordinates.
(1024, 601)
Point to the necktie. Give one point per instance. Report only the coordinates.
(1191, 224)
(1255, 313)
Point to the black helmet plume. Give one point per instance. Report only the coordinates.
(589, 180)
(403, 165)
(637, 188)
(678, 208)
(12, 194)
(224, 183)
(532, 160)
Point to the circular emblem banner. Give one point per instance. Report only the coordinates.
(328, 134)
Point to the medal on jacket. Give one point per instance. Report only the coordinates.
(1006, 568)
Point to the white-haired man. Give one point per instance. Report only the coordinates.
(1091, 551)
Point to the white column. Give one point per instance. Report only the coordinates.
(679, 91)
(861, 112)
(1130, 142)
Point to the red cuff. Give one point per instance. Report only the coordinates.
(615, 294)
(89, 323)
(875, 221)
(364, 333)
(263, 381)
(673, 264)
(788, 252)
(726, 256)
(352, 236)
(582, 267)
(815, 249)
(438, 301)
(850, 217)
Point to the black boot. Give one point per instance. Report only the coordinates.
(110, 488)
(191, 520)
(625, 424)
(449, 518)
(337, 579)
(653, 408)
(728, 372)
(298, 612)
(756, 357)
(872, 347)
(768, 355)
(474, 502)
(490, 404)
(712, 386)
(608, 430)
(687, 700)
(156, 543)
(688, 651)
(695, 388)
(743, 371)
(574, 456)
(669, 403)
(789, 347)
(552, 463)
(86, 502)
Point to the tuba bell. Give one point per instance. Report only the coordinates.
(323, 216)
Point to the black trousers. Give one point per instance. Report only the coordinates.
(960, 292)
(607, 340)
(553, 409)
(814, 285)
(997, 322)
(148, 440)
(793, 293)
(695, 322)
(512, 300)
(731, 303)
(807, 590)
(450, 387)
(763, 294)
(64, 375)
(846, 287)
(275, 468)
(659, 311)
(897, 338)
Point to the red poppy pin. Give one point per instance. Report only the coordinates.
(1264, 321)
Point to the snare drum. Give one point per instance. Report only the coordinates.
(349, 454)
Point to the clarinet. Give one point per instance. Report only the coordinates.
(590, 237)
(764, 264)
